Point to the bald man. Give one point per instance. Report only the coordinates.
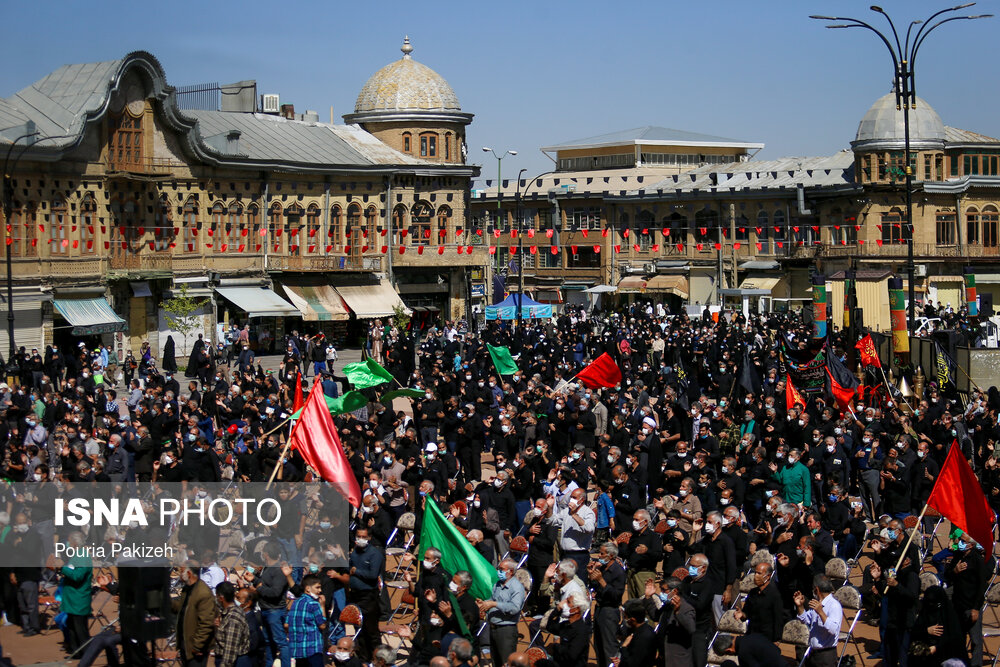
(343, 654)
(518, 659)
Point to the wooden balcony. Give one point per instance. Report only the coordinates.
(325, 263)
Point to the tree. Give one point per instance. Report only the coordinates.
(400, 319)
(179, 312)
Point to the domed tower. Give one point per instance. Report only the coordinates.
(411, 108)
(880, 143)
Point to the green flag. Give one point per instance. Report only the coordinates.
(409, 393)
(456, 551)
(502, 360)
(349, 402)
(366, 374)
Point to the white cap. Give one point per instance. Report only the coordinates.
(649, 421)
(431, 447)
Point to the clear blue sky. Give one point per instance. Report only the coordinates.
(540, 73)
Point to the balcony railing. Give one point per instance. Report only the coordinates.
(327, 263)
(928, 250)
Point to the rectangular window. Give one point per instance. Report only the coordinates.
(945, 224)
(432, 146)
(927, 167)
(585, 258)
(406, 143)
(972, 227)
(883, 171)
(447, 147)
(423, 146)
(938, 167)
(953, 165)
(550, 261)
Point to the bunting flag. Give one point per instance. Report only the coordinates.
(792, 395)
(315, 437)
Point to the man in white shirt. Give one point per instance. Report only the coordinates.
(576, 525)
(823, 618)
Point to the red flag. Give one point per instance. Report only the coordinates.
(603, 372)
(842, 395)
(958, 496)
(792, 395)
(316, 438)
(297, 401)
(869, 356)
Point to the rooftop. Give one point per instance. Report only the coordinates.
(653, 135)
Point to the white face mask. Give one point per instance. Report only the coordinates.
(636, 525)
(436, 621)
(428, 564)
(709, 528)
(342, 656)
(564, 614)
(453, 587)
(361, 542)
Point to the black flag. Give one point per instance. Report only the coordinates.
(947, 369)
(749, 378)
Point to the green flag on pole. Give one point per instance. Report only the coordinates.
(349, 402)
(502, 360)
(456, 551)
(366, 374)
(408, 393)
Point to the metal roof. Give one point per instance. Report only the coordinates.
(955, 135)
(789, 172)
(651, 134)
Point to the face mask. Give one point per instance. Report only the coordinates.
(313, 568)
(867, 441)
(21, 528)
(250, 569)
(779, 455)
(893, 534)
(324, 525)
(683, 492)
(431, 456)
(168, 460)
(341, 656)
(782, 521)
(833, 498)
(636, 526)
(921, 454)
(709, 528)
(361, 543)
(476, 503)
(428, 564)
(692, 571)
(664, 598)
(961, 546)
(831, 448)
(564, 614)
(436, 621)
(725, 501)
(800, 553)
(505, 428)
(672, 523)
(453, 587)
(502, 575)
(682, 455)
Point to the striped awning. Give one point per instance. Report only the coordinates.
(368, 301)
(90, 316)
(317, 303)
(671, 284)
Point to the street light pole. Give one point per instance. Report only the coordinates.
(487, 149)
(520, 248)
(904, 85)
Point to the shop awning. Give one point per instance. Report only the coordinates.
(945, 279)
(317, 303)
(760, 283)
(257, 301)
(90, 316)
(632, 284)
(141, 289)
(677, 285)
(600, 289)
(551, 296)
(367, 301)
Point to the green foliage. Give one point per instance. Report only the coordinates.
(399, 318)
(179, 312)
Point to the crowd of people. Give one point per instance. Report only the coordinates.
(676, 515)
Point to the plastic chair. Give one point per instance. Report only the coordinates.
(849, 598)
(351, 615)
(519, 546)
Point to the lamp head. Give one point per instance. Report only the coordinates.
(823, 18)
(957, 7)
(980, 16)
(876, 8)
(486, 149)
(512, 152)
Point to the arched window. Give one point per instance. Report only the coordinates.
(254, 241)
(88, 223)
(125, 149)
(677, 225)
(778, 224)
(762, 225)
(990, 223)
(443, 223)
(220, 235)
(399, 223)
(428, 144)
(972, 226)
(275, 227)
(192, 226)
(407, 138)
(644, 221)
(335, 234)
(893, 227)
(742, 228)
(371, 223)
(420, 227)
(58, 234)
(706, 222)
(163, 232)
(312, 239)
(236, 232)
(447, 146)
(355, 235)
(293, 229)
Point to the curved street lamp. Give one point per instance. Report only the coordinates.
(487, 149)
(904, 55)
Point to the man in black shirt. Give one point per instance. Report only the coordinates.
(608, 580)
(573, 633)
(762, 608)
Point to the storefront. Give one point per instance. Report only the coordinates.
(31, 305)
(84, 316)
(322, 310)
(259, 307)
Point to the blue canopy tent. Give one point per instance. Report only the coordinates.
(507, 309)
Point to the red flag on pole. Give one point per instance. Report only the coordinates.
(842, 395)
(869, 355)
(958, 496)
(792, 395)
(297, 401)
(603, 372)
(315, 436)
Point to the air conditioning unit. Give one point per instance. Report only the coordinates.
(271, 103)
(649, 268)
(920, 270)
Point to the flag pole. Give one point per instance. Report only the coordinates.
(890, 388)
(288, 443)
(909, 541)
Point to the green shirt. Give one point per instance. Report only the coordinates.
(796, 486)
(76, 593)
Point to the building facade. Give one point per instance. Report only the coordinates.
(711, 226)
(117, 197)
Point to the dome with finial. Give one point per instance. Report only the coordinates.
(882, 127)
(406, 85)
